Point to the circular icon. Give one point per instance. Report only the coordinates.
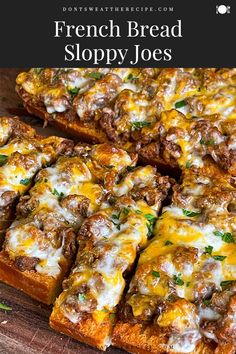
(222, 9)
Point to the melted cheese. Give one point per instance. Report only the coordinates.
(70, 176)
(126, 234)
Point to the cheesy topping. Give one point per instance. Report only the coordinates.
(109, 239)
(120, 230)
(54, 205)
(191, 257)
(130, 105)
(62, 197)
(20, 159)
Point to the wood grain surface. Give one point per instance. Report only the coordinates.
(25, 329)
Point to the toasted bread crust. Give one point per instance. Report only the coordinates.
(89, 133)
(87, 330)
(77, 129)
(38, 286)
(144, 339)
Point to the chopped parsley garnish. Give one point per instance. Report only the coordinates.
(38, 70)
(25, 181)
(59, 195)
(95, 75)
(219, 258)
(167, 243)
(74, 91)
(150, 217)
(188, 164)
(205, 142)
(208, 250)
(151, 221)
(5, 307)
(211, 142)
(3, 159)
(138, 212)
(226, 236)
(114, 216)
(188, 283)
(140, 125)
(125, 210)
(178, 280)
(156, 274)
(226, 283)
(109, 166)
(206, 302)
(112, 317)
(130, 168)
(130, 77)
(81, 297)
(180, 104)
(190, 213)
(105, 310)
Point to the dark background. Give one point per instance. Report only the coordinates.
(27, 28)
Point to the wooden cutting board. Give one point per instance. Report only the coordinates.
(25, 329)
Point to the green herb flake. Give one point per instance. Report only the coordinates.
(188, 283)
(56, 193)
(125, 211)
(112, 317)
(180, 104)
(38, 70)
(105, 310)
(130, 168)
(203, 141)
(95, 75)
(74, 91)
(188, 164)
(207, 302)
(3, 159)
(140, 125)
(211, 142)
(138, 212)
(150, 217)
(109, 166)
(151, 221)
(156, 274)
(81, 297)
(226, 283)
(177, 279)
(5, 307)
(116, 217)
(219, 258)
(190, 213)
(167, 243)
(25, 181)
(208, 250)
(218, 233)
(226, 237)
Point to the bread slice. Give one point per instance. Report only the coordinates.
(38, 286)
(147, 339)
(66, 122)
(87, 330)
(69, 122)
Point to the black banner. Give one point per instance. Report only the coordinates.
(70, 33)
